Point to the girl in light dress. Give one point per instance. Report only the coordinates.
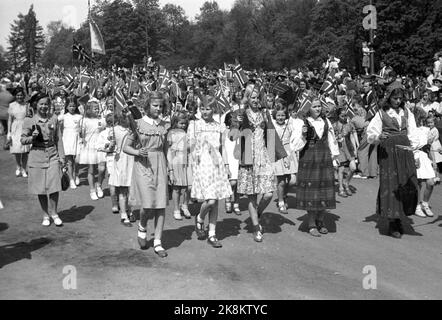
(17, 112)
(210, 169)
(180, 174)
(90, 128)
(426, 173)
(284, 168)
(106, 147)
(120, 173)
(71, 129)
(436, 148)
(231, 145)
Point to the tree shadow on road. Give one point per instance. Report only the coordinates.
(3, 226)
(174, 238)
(329, 222)
(382, 225)
(75, 213)
(22, 250)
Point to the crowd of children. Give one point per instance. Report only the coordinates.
(256, 147)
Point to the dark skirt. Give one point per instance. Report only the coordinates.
(315, 185)
(398, 186)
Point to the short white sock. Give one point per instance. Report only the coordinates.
(281, 203)
(425, 204)
(212, 233)
(156, 242)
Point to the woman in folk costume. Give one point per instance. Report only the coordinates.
(315, 185)
(393, 129)
(149, 146)
(260, 147)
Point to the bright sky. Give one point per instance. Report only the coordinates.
(73, 12)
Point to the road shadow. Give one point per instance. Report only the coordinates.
(330, 220)
(75, 213)
(270, 222)
(174, 238)
(382, 225)
(22, 250)
(3, 226)
(229, 227)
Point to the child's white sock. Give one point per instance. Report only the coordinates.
(212, 233)
(156, 242)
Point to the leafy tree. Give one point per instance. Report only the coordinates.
(26, 40)
(4, 65)
(58, 51)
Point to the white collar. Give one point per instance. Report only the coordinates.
(151, 121)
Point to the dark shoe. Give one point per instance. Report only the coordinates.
(126, 223)
(394, 231)
(214, 242)
(229, 207)
(142, 242)
(321, 228)
(132, 218)
(342, 194)
(199, 229)
(399, 226)
(314, 232)
(348, 191)
(159, 250)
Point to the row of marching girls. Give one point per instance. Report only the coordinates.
(95, 139)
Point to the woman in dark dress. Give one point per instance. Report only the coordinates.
(393, 129)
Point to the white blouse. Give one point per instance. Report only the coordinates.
(298, 139)
(374, 129)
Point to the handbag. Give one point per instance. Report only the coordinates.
(65, 181)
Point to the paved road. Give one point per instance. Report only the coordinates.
(289, 264)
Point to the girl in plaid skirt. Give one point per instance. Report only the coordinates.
(318, 150)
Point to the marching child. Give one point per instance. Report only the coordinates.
(71, 128)
(180, 174)
(425, 169)
(120, 173)
(315, 191)
(286, 167)
(436, 147)
(343, 130)
(231, 145)
(106, 147)
(210, 169)
(91, 127)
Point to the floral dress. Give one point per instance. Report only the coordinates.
(259, 177)
(210, 178)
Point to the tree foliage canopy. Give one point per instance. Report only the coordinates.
(268, 34)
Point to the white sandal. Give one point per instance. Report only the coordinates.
(46, 222)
